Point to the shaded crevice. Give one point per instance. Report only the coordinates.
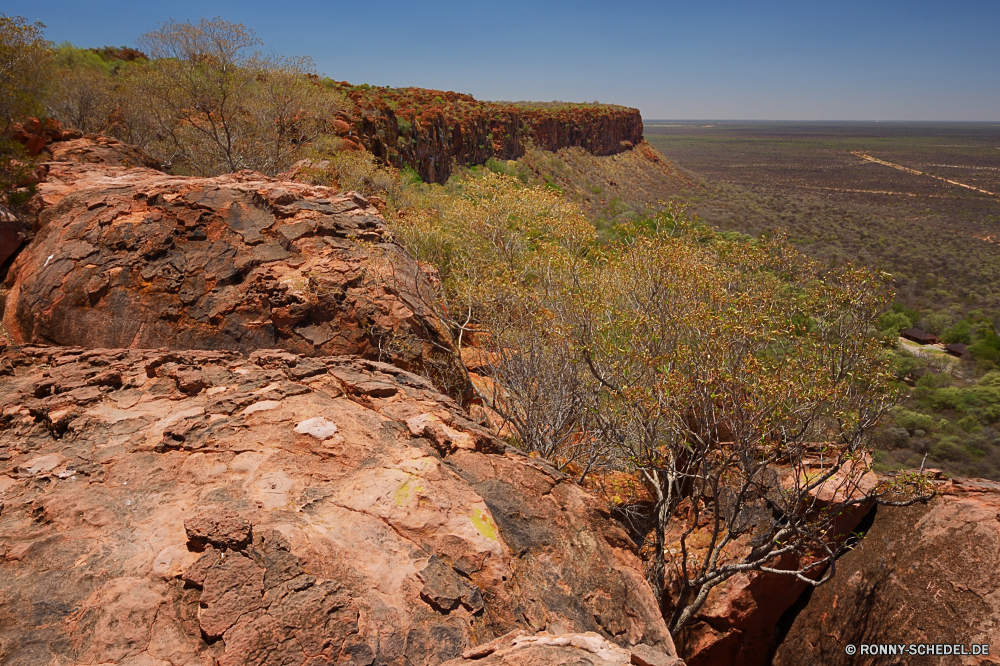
(788, 618)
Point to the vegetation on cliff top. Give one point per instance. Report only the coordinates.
(738, 383)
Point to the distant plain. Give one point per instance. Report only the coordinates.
(820, 183)
(920, 201)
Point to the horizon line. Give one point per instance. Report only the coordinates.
(804, 120)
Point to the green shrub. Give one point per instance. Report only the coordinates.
(912, 421)
(891, 323)
(949, 449)
(959, 332)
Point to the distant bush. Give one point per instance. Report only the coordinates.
(85, 90)
(891, 323)
(24, 68)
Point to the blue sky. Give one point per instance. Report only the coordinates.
(805, 60)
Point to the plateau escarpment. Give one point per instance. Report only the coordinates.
(429, 129)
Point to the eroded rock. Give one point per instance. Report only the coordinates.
(928, 573)
(518, 648)
(144, 524)
(133, 257)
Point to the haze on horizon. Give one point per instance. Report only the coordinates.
(778, 60)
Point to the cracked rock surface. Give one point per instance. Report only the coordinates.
(928, 573)
(544, 649)
(169, 508)
(133, 257)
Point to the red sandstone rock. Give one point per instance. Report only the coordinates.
(36, 134)
(922, 574)
(519, 648)
(739, 622)
(442, 127)
(134, 257)
(74, 147)
(274, 520)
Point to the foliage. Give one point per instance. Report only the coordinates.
(206, 101)
(24, 61)
(948, 415)
(217, 105)
(736, 381)
(891, 323)
(357, 171)
(84, 92)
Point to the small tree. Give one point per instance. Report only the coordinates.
(24, 59)
(217, 105)
(738, 381)
(742, 383)
(84, 93)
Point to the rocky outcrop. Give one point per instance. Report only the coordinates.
(928, 573)
(599, 129)
(132, 257)
(518, 648)
(95, 149)
(428, 130)
(35, 134)
(204, 507)
(741, 620)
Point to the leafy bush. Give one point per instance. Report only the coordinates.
(891, 323)
(24, 68)
(696, 363)
(960, 331)
(86, 90)
(357, 171)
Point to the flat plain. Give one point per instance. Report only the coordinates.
(918, 200)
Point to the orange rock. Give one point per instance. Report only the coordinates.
(195, 529)
(136, 257)
(928, 573)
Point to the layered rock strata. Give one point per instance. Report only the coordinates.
(205, 507)
(428, 130)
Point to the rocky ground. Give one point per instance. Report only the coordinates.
(177, 507)
(218, 445)
(260, 489)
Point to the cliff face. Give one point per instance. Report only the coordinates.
(428, 129)
(601, 130)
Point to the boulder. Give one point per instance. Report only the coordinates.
(923, 574)
(519, 648)
(133, 257)
(93, 149)
(292, 510)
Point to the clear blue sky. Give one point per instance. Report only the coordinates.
(803, 60)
